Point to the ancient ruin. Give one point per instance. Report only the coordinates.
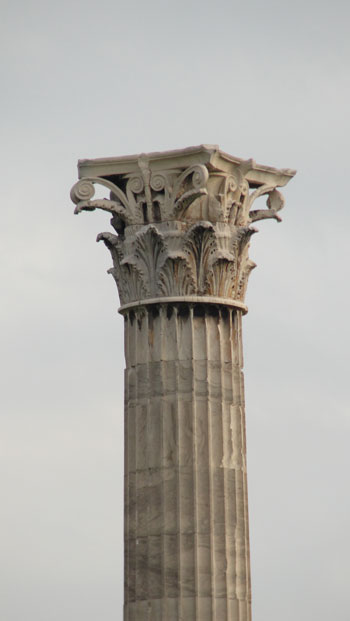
(183, 222)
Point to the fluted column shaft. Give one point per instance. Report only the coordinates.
(186, 517)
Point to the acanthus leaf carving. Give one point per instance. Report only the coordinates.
(199, 244)
(176, 277)
(241, 288)
(129, 279)
(204, 260)
(148, 256)
(220, 281)
(228, 263)
(244, 264)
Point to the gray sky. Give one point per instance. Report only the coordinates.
(268, 80)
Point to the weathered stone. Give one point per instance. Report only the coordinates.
(180, 260)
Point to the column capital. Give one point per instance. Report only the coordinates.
(183, 221)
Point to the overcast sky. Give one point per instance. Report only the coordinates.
(268, 80)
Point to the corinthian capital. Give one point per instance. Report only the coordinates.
(182, 221)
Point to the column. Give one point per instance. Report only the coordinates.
(180, 260)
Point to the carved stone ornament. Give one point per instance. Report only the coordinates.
(182, 221)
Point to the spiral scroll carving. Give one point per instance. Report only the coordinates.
(82, 191)
(158, 182)
(172, 195)
(135, 184)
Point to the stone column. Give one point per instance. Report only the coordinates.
(180, 260)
